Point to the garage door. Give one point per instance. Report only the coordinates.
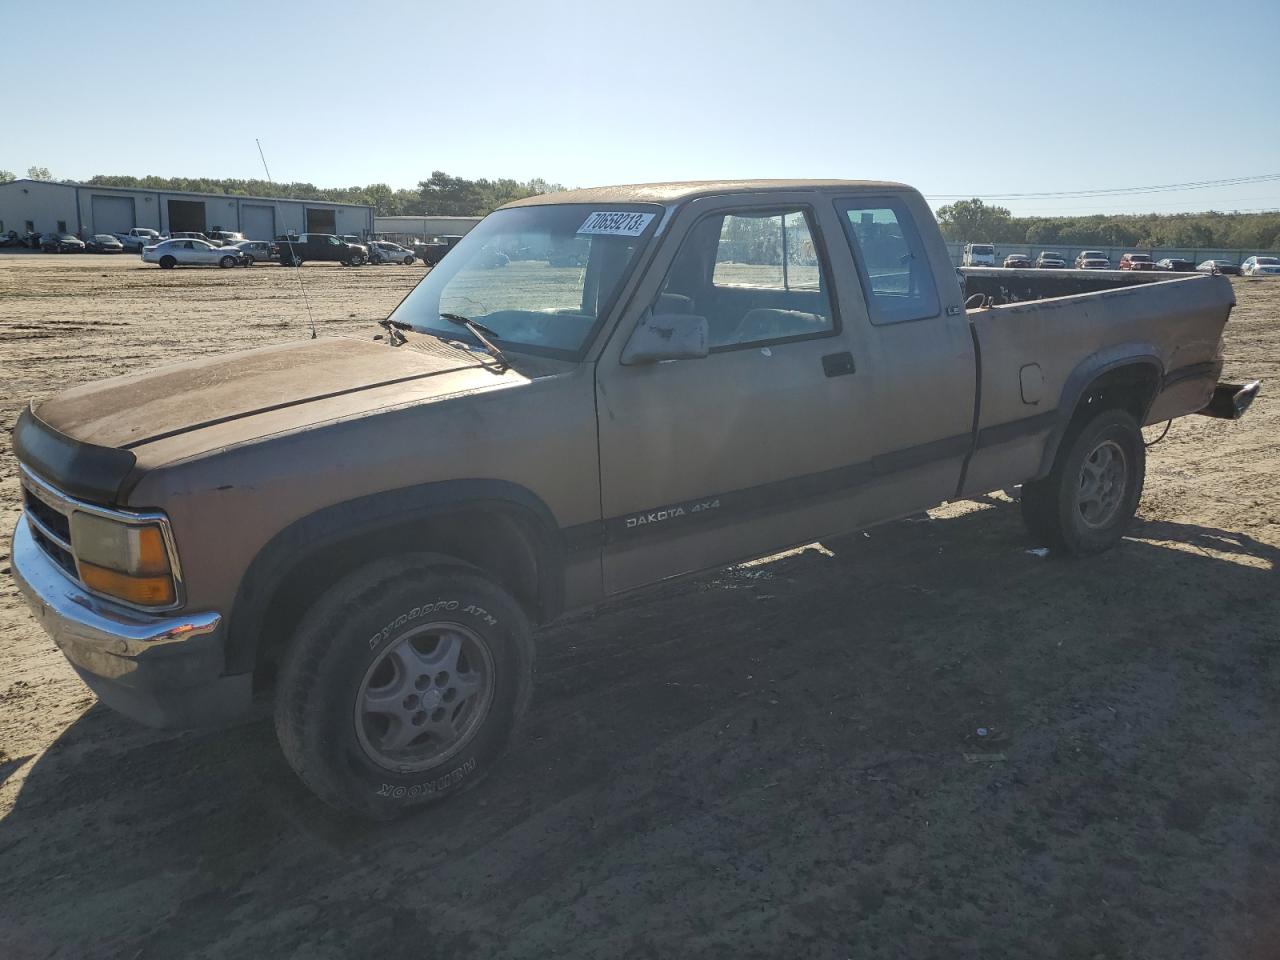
(186, 216)
(112, 214)
(258, 222)
(321, 221)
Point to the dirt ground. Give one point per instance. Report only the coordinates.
(779, 760)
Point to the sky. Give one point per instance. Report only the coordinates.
(958, 100)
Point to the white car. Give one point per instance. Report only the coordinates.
(137, 238)
(1260, 266)
(172, 253)
(384, 251)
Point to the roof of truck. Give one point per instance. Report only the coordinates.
(683, 190)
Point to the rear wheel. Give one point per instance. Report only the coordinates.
(1086, 503)
(168, 263)
(403, 685)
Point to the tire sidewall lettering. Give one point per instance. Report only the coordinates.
(434, 608)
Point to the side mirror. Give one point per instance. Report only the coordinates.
(667, 336)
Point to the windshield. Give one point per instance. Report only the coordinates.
(540, 277)
(983, 250)
(1140, 256)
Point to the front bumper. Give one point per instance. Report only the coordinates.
(161, 670)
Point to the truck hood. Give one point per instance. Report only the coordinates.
(253, 393)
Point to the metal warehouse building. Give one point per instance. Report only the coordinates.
(423, 226)
(39, 206)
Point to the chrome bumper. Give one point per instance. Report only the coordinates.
(162, 670)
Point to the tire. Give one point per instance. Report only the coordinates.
(226, 262)
(1086, 503)
(168, 263)
(408, 261)
(248, 260)
(369, 634)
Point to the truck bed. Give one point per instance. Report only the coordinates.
(1038, 350)
(1010, 286)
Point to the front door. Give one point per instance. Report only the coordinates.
(700, 458)
(838, 391)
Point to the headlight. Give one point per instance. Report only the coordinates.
(125, 560)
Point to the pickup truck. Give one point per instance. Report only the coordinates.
(367, 530)
(137, 238)
(297, 249)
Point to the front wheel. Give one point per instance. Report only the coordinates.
(1086, 503)
(403, 685)
(408, 261)
(226, 262)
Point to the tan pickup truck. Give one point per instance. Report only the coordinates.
(594, 391)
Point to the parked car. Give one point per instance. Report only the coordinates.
(1175, 265)
(190, 253)
(137, 238)
(10, 239)
(1136, 261)
(1017, 261)
(1049, 260)
(1220, 266)
(384, 251)
(255, 251)
(372, 534)
(225, 238)
(324, 247)
(433, 250)
(103, 243)
(1260, 266)
(979, 255)
(61, 243)
(1096, 260)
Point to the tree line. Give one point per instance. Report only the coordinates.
(965, 220)
(972, 221)
(440, 195)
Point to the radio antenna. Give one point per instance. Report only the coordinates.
(297, 266)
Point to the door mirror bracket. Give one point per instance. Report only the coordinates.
(669, 336)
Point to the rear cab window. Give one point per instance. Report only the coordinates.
(892, 264)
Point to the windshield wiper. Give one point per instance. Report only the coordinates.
(393, 328)
(478, 330)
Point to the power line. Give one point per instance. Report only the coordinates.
(1111, 191)
(1218, 206)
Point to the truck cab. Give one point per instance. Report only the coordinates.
(979, 255)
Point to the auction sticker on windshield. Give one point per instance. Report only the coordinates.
(615, 223)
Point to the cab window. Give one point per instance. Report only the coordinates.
(892, 263)
(756, 276)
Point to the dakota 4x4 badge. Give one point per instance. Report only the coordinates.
(671, 513)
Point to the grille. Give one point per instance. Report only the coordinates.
(55, 522)
(51, 529)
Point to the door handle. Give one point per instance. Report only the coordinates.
(838, 364)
